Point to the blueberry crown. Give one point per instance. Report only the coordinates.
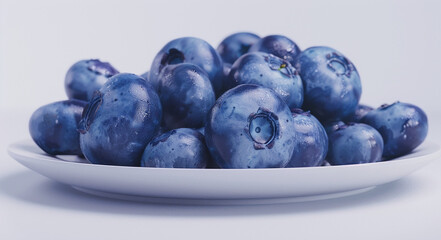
(339, 64)
(263, 128)
(280, 65)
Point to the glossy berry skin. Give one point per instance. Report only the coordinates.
(354, 143)
(332, 126)
(250, 127)
(226, 71)
(279, 46)
(236, 45)
(201, 130)
(119, 121)
(360, 112)
(178, 148)
(403, 127)
(311, 141)
(186, 96)
(189, 50)
(147, 79)
(87, 76)
(53, 127)
(331, 83)
(268, 71)
(145, 76)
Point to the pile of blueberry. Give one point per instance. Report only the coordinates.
(251, 103)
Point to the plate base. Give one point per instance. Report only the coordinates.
(219, 202)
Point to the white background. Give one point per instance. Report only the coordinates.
(395, 45)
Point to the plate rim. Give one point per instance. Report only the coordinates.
(26, 152)
(13, 147)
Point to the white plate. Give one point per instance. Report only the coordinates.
(220, 186)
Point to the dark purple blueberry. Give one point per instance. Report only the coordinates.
(236, 45)
(403, 127)
(53, 127)
(354, 143)
(250, 127)
(279, 46)
(189, 50)
(268, 71)
(311, 141)
(119, 121)
(186, 96)
(331, 83)
(178, 148)
(87, 76)
(360, 112)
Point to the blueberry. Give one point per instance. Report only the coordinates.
(403, 127)
(332, 126)
(178, 148)
(279, 46)
(53, 127)
(147, 79)
(331, 82)
(189, 50)
(268, 71)
(236, 45)
(145, 75)
(87, 76)
(201, 130)
(226, 70)
(311, 141)
(186, 95)
(119, 121)
(360, 112)
(225, 73)
(250, 126)
(326, 163)
(354, 143)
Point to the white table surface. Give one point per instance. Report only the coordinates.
(35, 207)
